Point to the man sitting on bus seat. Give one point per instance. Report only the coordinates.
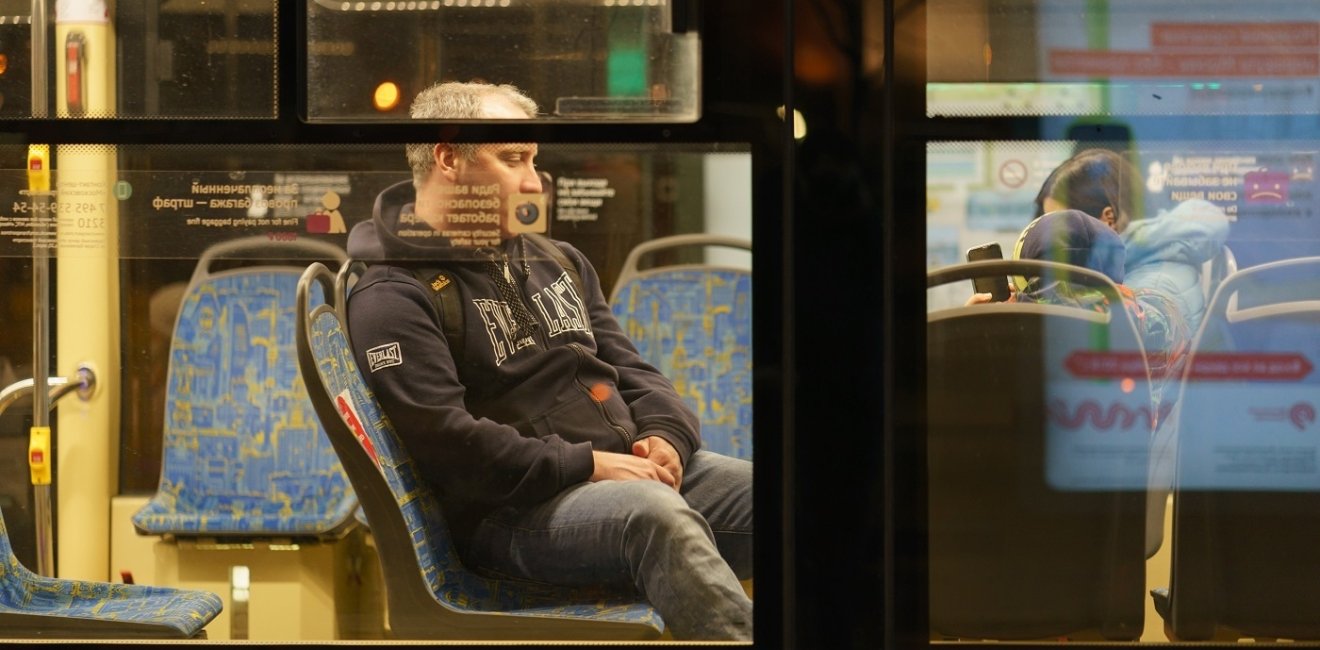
(559, 455)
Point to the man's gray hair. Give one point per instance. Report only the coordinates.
(456, 101)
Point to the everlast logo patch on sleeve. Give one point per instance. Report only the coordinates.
(384, 356)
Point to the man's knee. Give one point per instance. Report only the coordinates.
(731, 473)
(655, 508)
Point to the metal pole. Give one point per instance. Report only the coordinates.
(40, 326)
(41, 399)
(39, 447)
(40, 60)
(84, 384)
(40, 308)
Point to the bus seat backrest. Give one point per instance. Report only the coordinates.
(244, 454)
(1039, 418)
(693, 322)
(1244, 557)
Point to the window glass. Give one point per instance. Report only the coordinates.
(127, 229)
(191, 58)
(16, 498)
(16, 60)
(1020, 57)
(1145, 395)
(180, 58)
(633, 60)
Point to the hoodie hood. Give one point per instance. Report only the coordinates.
(1165, 253)
(1191, 233)
(1073, 237)
(1069, 237)
(394, 234)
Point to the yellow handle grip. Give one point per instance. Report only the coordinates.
(39, 168)
(39, 455)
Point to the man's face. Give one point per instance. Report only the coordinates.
(478, 192)
(500, 170)
(509, 166)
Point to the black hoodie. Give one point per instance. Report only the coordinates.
(517, 423)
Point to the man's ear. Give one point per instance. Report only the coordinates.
(1109, 216)
(446, 160)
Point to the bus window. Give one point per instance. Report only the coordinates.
(175, 167)
(140, 237)
(195, 59)
(1020, 58)
(143, 60)
(605, 200)
(1158, 354)
(605, 61)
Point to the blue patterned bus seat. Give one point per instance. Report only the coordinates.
(453, 586)
(695, 326)
(33, 605)
(244, 453)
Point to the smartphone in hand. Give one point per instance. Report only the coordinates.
(995, 285)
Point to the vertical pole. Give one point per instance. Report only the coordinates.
(40, 63)
(39, 437)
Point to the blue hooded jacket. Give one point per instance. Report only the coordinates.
(1165, 253)
(1076, 238)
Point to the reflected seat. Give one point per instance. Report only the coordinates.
(246, 467)
(429, 593)
(1215, 270)
(693, 322)
(1246, 501)
(38, 606)
(1038, 432)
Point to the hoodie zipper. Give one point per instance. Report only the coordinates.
(538, 333)
(501, 259)
(508, 277)
(600, 407)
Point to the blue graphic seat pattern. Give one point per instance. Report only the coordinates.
(33, 605)
(244, 453)
(454, 587)
(695, 325)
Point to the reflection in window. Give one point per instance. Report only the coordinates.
(196, 59)
(15, 66)
(1046, 417)
(179, 58)
(597, 60)
(1014, 57)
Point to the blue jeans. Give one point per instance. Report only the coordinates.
(685, 553)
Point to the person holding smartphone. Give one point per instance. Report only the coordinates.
(1164, 252)
(994, 285)
(1076, 238)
